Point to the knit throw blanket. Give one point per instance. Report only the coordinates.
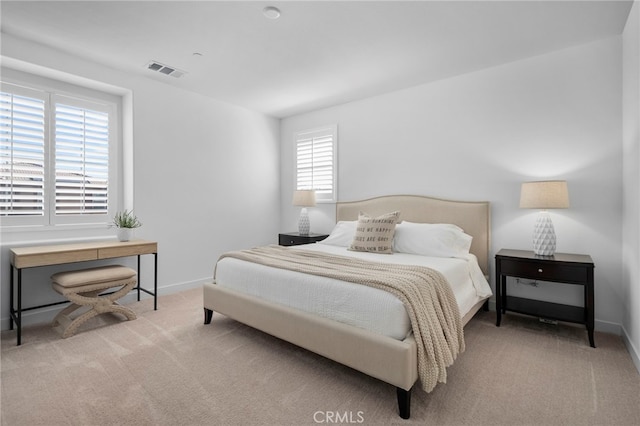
(425, 293)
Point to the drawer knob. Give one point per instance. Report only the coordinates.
(540, 270)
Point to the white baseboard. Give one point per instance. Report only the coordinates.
(608, 327)
(46, 315)
(633, 351)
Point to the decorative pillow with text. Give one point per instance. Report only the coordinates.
(375, 234)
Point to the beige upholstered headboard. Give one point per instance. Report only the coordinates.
(472, 216)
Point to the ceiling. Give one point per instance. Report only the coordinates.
(318, 53)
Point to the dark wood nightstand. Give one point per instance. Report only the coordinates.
(560, 268)
(295, 239)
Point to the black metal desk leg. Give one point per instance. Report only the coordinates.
(19, 311)
(11, 305)
(139, 280)
(155, 281)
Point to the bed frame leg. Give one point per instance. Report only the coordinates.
(208, 314)
(404, 402)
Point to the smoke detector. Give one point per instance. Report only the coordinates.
(165, 69)
(271, 12)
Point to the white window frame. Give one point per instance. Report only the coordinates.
(318, 133)
(65, 92)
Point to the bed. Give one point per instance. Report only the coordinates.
(370, 349)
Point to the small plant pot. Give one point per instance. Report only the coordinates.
(125, 234)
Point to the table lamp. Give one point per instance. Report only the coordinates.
(543, 195)
(304, 199)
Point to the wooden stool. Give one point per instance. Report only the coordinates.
(83, 288)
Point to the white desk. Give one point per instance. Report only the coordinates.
(36, 256)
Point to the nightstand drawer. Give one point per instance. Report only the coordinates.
(544, 271)
(292, 240)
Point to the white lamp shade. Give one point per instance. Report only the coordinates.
(304, 198)
(550, 194)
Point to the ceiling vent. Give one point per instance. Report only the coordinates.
(165, 69)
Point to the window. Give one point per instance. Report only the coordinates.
(58, 156)
(316, 165)
(81, 159)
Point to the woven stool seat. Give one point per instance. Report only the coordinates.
(83, 288)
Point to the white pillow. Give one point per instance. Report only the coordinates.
(342, 234)
(431, 239)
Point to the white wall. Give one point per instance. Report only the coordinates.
(478, 136)
(205, 179)
(631, 182)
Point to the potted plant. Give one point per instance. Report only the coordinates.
(126, 221)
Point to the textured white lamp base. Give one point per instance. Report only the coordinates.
(303, 222)
(544, 236)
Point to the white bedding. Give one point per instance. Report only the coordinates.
(357, 305)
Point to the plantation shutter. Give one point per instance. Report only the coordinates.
(81, 159)
(316, 162)
(22, 153)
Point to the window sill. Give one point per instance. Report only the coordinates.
(21, 235)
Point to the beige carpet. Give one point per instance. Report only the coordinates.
(167, 368)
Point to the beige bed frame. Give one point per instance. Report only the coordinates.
(365, 351)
